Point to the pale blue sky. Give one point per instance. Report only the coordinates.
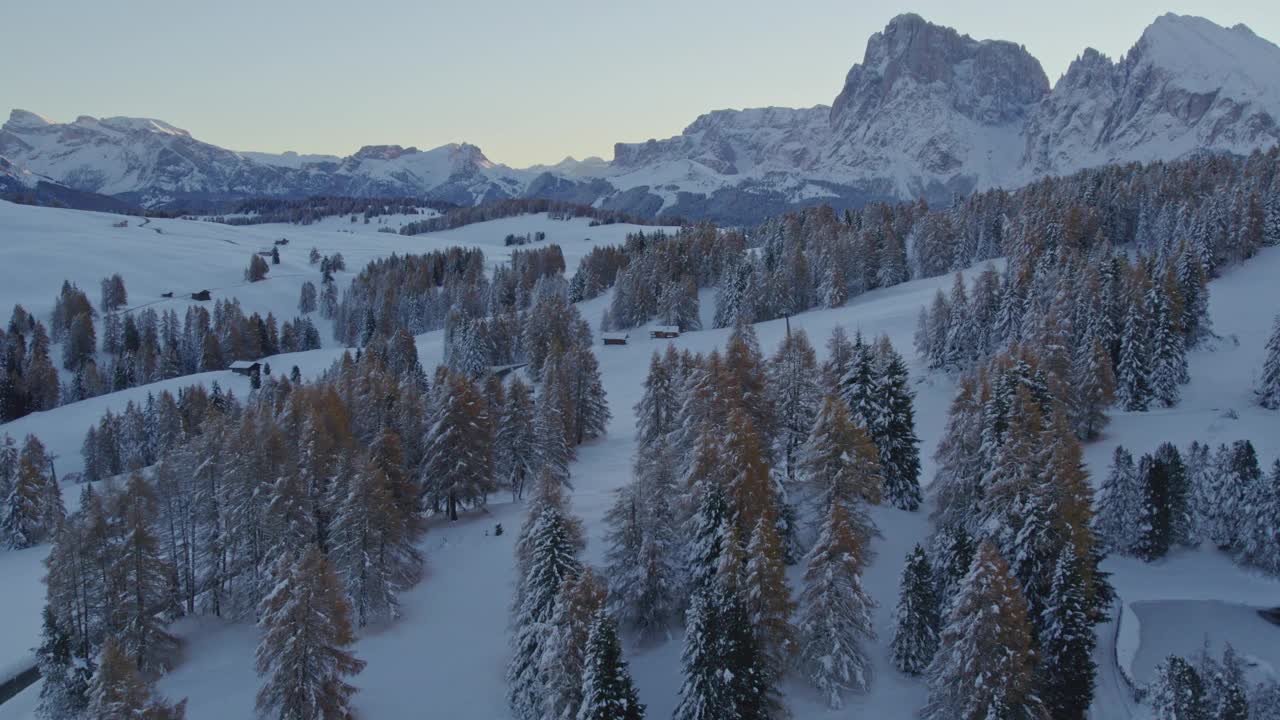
(529, 82)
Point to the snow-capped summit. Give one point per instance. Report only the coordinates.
(928, 113)
(1188, 85)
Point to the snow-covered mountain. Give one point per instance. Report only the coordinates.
(1187, 85)
(928, 113)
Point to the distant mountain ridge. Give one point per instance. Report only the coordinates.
(928, 113)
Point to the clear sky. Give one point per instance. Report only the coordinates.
(529, 82)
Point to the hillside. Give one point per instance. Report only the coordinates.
(451, 645)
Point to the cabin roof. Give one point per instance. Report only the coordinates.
(244, 364)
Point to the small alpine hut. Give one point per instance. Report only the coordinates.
(615, 338)
(248, 368)
(661, 332)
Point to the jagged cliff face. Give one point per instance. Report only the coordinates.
(1188, 85)
(931, 107)
(927, 113)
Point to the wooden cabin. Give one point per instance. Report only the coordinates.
(248, 368)
(659, 332)
(613, 338)
(202, 295)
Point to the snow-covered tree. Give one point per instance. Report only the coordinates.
(898, 446)
(1177, 693)
(515, 442)
(458, 470)
(65, 678)
(839, 464)
(607, 691)
(794, 385)
(563, 656)
(835, 619)
(659, 408)
(1067, 642)
(119, 692)
(917, 616)
(302, 655)
(1120, 501)
(985, 665)
(1269, 382)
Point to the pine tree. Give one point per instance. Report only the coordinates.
(1095, 385)
(767, 598)
(659, 408)
(1133, 375)
(917, 616)
(1269, 383)
(984, 669)
(563, 657)
(1067, 642)
(119, 692)
(704, 692)
(898, 445)
(836, 612)
(793, 383)
(1177, 692)
(840, 464)
(551, 449)
(586, 392)
(1119, 504)
(458, 470)
(303, 655)
(64, 688)
(1259, 542)
(607, 690)
(1169, 361)
(552, 543)
(515, 442)
(644, 578)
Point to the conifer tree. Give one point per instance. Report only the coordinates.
(1095, 385)
(704, 692)
(795, 393)
(1269, 382)
(458, 470)
(898, 445)
(659, 408)
(984, 669)
(119, 692)
(144, 579)
(551, 543)
(1133, 375)
(65, 678)
(917, 616)
(1259, 542)
(607, 690)
(836, 612)
(644, 577)
(840, 464)
(563, 657)
(586, 393)
(767, 598)
(372, 548)
(516, 441)
(551, 451)
(1177, 693)
(1067, 642)
(1119, 504)
(302, 655)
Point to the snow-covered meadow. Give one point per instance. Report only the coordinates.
(446, 657)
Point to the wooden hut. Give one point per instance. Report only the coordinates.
(614, 338)
(659, 332)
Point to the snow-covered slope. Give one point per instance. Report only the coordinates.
(451, 645)
(928, 112)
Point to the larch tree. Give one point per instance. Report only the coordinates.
(144, 579)
(118, 691)
(607, 691)
(65, 678)
(840, 465)
(302, 655)
(917, 616)
(836, 619)
(985, 667)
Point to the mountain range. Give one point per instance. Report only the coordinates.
(928, 113)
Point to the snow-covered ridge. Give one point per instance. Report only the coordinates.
(928, 113)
